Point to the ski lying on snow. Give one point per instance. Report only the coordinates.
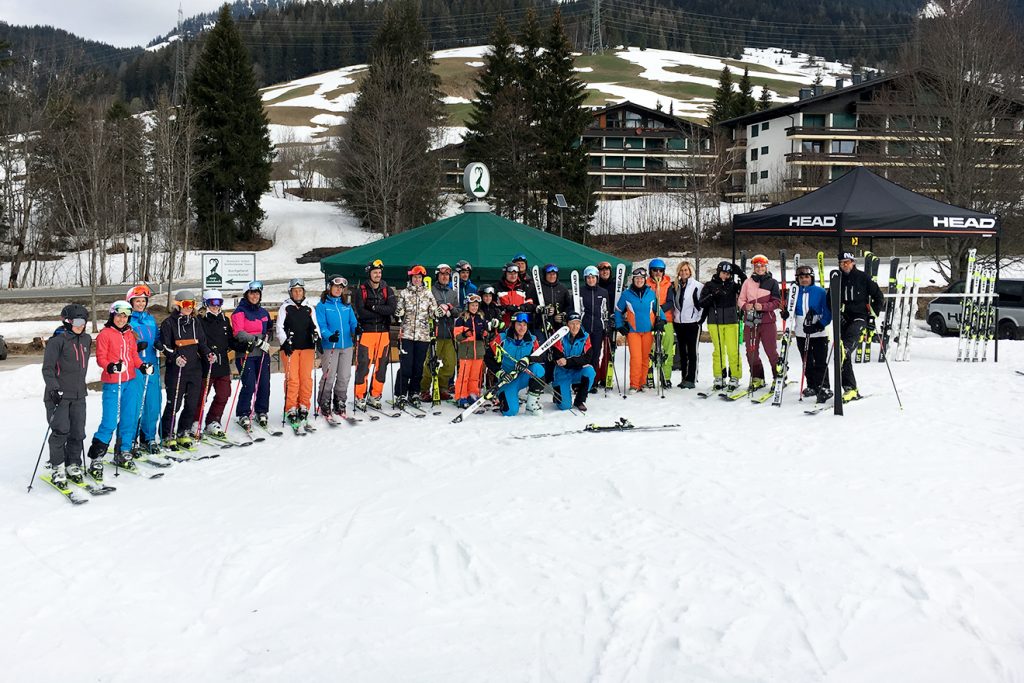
(770, 394)
(829, 405)
(409, 410)
(73, 497)
(622, 425)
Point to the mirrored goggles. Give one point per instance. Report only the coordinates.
(216, 303)
(339, 281)
(78, 322)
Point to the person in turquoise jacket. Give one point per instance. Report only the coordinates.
(638, 316)
(338, 330)
(147, 387)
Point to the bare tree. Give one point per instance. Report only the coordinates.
(955, 115)
(703, 172)
(302, 160)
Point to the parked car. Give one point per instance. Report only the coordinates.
(944, 311)
(3, 348)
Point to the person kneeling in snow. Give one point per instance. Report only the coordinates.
(509, 357)
(572, 356)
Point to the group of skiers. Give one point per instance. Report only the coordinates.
(455, 340)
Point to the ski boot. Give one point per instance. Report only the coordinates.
(533, 406)
(245, 422)
(580, 402)
(96, 470)
(185, 442)
(75, 474)
(756, 384)
(718, 384)
(850, 394)
(292, 416)
(733, 384)
(415, 401)
(666, 384)
(373, 402)
(360, 404)
(150, 447)
(824, 394)
(214, 429)
(97, 449)
(59, 477)
(400, 402)
(125, 461)
(463, 403)
(808, 392)
(262, 421)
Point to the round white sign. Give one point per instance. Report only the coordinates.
(477, 180)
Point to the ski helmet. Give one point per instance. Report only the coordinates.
(487, 289)
(640, 272)
(254, 286)
(656, 264)
(573, 316)
(590, 270)
(724, 267)
(120, 307)
(463, 265)
(74, 315)
(213, 297)
(375, 264)
(550, 268)
(296, 282)
(805, 270)
(521, 318)
(473, 299)
(337, 280)
(511, 267)
(604, 265)
(417, 270)
(519, 257)
(759, 260)
(185, 298)
(442, 266)
(137, 291)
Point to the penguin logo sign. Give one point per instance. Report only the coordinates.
(221, 270)
(476, 180)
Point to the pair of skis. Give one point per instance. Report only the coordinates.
(621, 425)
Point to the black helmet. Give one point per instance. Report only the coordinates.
(73, 312)
(724, 267)
(805, 270)
(486, 289)
(375, 264)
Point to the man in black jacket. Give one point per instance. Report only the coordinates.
(221, 339)
(65, 362)
(856, 293)
(373, 303)
(185, 348)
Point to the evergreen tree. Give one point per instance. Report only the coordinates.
(765, 102)
(501, 132)
(723, 105)
(234, 148)
(744, 102)
(562, 120)
(389, 177)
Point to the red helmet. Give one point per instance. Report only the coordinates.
(137, 291)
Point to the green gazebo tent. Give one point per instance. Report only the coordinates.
(487, 241)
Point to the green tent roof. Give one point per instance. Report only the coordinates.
(487, 241)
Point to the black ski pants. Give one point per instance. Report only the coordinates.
(687, 335)
(850, 334)
(410, 367)
(67, 431)
(183, 392)
(815, 351)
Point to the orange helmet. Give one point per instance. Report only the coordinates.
(417, 270)
(137, 291)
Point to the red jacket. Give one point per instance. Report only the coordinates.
(113, 345)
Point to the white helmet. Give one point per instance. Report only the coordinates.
(212, 294)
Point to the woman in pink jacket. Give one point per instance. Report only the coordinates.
(759, 299)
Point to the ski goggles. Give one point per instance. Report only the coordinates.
(759, 261)
(804, 272)
(255, 286)
(339, 281)
(473, 299)
(512, 269)
(187, 303)
(639, 272)
(139, 291)
(296, 282)
(522, 318)
(550, 268)
(119, 310)
(78, 322)
(215, 303)
(417, 270)
(604, 266)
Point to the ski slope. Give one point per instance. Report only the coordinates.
(753, 544)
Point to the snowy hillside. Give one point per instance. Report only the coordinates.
(752, 544)
(312, 107)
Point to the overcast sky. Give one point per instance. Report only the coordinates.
(119, 22)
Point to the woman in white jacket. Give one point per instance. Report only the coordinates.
(687, 319)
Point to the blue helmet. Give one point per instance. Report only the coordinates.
(590, 270)
(521, 318)
(519, 257)
(656, 264)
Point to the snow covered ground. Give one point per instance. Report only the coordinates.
(753, 544)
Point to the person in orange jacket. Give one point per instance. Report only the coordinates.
(117, 353)
(637, 317)
(471, 336)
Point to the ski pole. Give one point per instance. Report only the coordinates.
(238, 387)
(891, 379)
(202, 401)
(259, 374)
(803, 367)
(46, 436)
(142, 407)
(174, 406)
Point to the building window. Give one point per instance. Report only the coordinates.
(838, 172)
(594, 162)
(634, 181)
(635, 143)
(753, 131)
(753, 154)
(843, 146)
(613, 181)
(753, 178)
(764, 150)
(764, 175)
(613, 143)
(764, 126)
(844, 120)
(812, 146)
(675, 181)
(814, 120)
(635, 162)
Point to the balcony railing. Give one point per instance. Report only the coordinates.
(877, 133)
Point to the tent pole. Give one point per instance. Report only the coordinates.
(995, 357)
(733, 243)
(835, 299)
